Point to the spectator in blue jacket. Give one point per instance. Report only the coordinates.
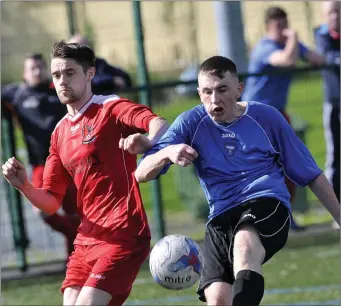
(108, 79)
(327, 37)
(280, 48)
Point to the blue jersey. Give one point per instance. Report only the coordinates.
(268, 89)
(243, 160)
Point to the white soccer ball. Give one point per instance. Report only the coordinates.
(176, 262)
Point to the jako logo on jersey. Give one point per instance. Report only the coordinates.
(98, 276)
(87, 134)
(74, 128)
(228, 135)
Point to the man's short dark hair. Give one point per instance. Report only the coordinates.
(36, 57)
(273, 13)
(83, 55)
(218, 65)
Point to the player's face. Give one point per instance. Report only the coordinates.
(35, 72)
(275, 27)
(70, 80)
(219, 96)
(332, 13)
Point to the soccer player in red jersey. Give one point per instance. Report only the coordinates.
(95, 145)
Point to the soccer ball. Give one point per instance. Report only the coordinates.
(176, 262)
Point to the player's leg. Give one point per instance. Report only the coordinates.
(262, 231)
(70, 295)
(114, 269)
(248, 254)
(76, 275)
(331, 123)
(215, 286)
(93, 296)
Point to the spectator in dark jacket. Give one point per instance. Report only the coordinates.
(36, 106)
(108, 79)
(327, 37)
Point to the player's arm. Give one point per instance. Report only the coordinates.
(157, 127)
(15, 173)
(314, 58)
(139, 119)
(289, 55)
(151, 166)
(325, 193)
(299, 165)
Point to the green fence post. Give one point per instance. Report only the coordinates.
(13, 196)
(145, 98)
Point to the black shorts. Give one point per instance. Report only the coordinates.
(269, 216)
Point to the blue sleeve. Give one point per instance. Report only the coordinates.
(303, 50)
(298, 163)
(332, 56)
(177, 133)
(265, 51)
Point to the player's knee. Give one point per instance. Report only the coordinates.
(218, 294)
(70, 295)
(93, 296)
(248, 288)
(247, 247)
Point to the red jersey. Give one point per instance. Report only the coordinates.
(85, 148)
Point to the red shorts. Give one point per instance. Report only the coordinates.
(109, 267)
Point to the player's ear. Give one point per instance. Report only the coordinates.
(240, 90)
(91, 73)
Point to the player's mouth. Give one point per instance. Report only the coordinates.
(217, 110)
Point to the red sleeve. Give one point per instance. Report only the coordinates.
(55, 179)
(133, 115)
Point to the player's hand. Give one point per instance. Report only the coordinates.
(135, 144)
(182, 154)
(15, 173)
(290, 33)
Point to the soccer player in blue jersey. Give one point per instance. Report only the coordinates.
(242, 152)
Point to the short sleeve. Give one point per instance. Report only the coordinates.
(56, 178)
(265, 50)
(133, 115)
(297, 161)
(177, 133)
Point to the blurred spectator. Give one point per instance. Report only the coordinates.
(189, 74)
(35, 105)
(279, 48)
(327, 37)
(108, 79)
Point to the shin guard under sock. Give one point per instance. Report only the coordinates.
(248, 288)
